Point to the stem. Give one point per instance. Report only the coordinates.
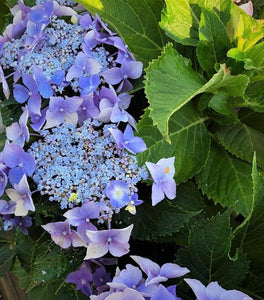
(109, 224)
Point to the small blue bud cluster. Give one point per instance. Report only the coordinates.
(81, 161)
(61, 2)
(55, 52)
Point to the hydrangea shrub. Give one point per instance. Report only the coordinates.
(106, 107)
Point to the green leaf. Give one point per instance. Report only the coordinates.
(168, 217)
(252, 119)
(219, 103)
(207, 255)
(242, 141)
(255, 96)
(181, 18)
(6, 259)
(190, 142)
(245, 32)
(56, 290)
(136, 21)
(21, 274)
(180, 21)
(214, 41)
(171, 83)
(251, 237)
(253, 58)
(226, 180)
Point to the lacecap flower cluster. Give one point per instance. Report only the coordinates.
(73, 77)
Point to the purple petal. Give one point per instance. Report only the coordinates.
(43, 84)
(15, 175)
(7, 208)
(157, 194)
(77, 240)
(133, 69)
(58, 77)
(11, 155)
(169, 189)
(127, 294)
(214, 290)
(85, 20)
(234, 295)
(128, 133)
(167, 164)
(96, 250)
(90, 40)
(74, 72)
(53, 119)
(155, 171)
(118, 136)
(198, 288)
(28, 163)
(118, 115)
(130, 276)
(30, 83)
(89, 84)
(34, 104)
(21, 93)
(12, 132)
(23, 186)
(162, 293)
(117, 191)
(135, 145)
(71, 104)
(3, 182)
(146, 265)
(118, 249)
(170, 270)
(113, 75)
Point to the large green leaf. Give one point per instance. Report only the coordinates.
(190, 142)
(181, 18)
(6, 259)
(242, 141)
(253, 58)
(250, 238)
(227, 180)
(136, 21)
(168, 217)
(171, 83)
(207, 255)
(245, 32)
(180, 21)
(214, 41)
(255, 96)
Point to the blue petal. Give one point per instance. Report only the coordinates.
(21, 93)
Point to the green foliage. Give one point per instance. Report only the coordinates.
(171, 77)
(180, 22)
(213, 41)
(208, 253)
(185, 126)
(226, 180)
(136, 21)
(242, 141)
(40, 262)
(6, 259)
(167, 218)
(250, 232)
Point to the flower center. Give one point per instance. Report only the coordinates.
(166, 170)
(109, 240)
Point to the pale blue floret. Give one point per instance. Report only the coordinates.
(83, 161)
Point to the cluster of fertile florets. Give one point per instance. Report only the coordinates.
(75, 164)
